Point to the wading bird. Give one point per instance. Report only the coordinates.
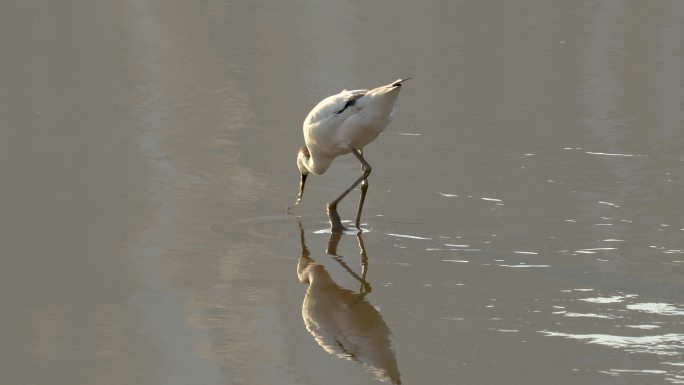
(341, 124)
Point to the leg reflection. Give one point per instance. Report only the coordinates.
(342, 321)
(333, 242)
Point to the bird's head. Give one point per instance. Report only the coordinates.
(303, 156)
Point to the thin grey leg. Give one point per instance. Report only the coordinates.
(335, 221)
(364, 190)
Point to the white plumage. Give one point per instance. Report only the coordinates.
(341, 124)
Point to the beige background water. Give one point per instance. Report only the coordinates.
(525, 208)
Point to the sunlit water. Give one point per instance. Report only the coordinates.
(523, 225)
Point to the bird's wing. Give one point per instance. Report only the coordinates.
(333, 106)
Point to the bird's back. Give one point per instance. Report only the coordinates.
(346, 121)
(332, 106)
(349, 119)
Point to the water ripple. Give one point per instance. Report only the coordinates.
(661, 344)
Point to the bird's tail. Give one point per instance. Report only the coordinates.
(398, 83)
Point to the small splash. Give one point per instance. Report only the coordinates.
(664, 344)
(455, 260)
(656, 308)
(639, 371)
(608, 204)
(588, 315)
(491, 199)
(447, 195)
(408, 134)
(610, 154)
(347, 231)
(613, 299)
(644, 327)
(526, 252)
(407, 236)
(525, 266)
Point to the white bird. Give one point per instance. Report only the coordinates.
(341, 124)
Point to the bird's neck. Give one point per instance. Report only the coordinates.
(319, 165)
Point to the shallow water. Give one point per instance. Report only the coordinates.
(523, 223)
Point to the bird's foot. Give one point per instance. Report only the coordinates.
(335, 222)
(337, 227)
(288, 209)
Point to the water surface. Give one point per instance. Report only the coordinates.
(523, 222)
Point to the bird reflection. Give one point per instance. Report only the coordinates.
(342, 321)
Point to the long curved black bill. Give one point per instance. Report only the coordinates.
(301, 193)
(301, 188)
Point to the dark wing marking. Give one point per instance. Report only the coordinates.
(350, 102)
